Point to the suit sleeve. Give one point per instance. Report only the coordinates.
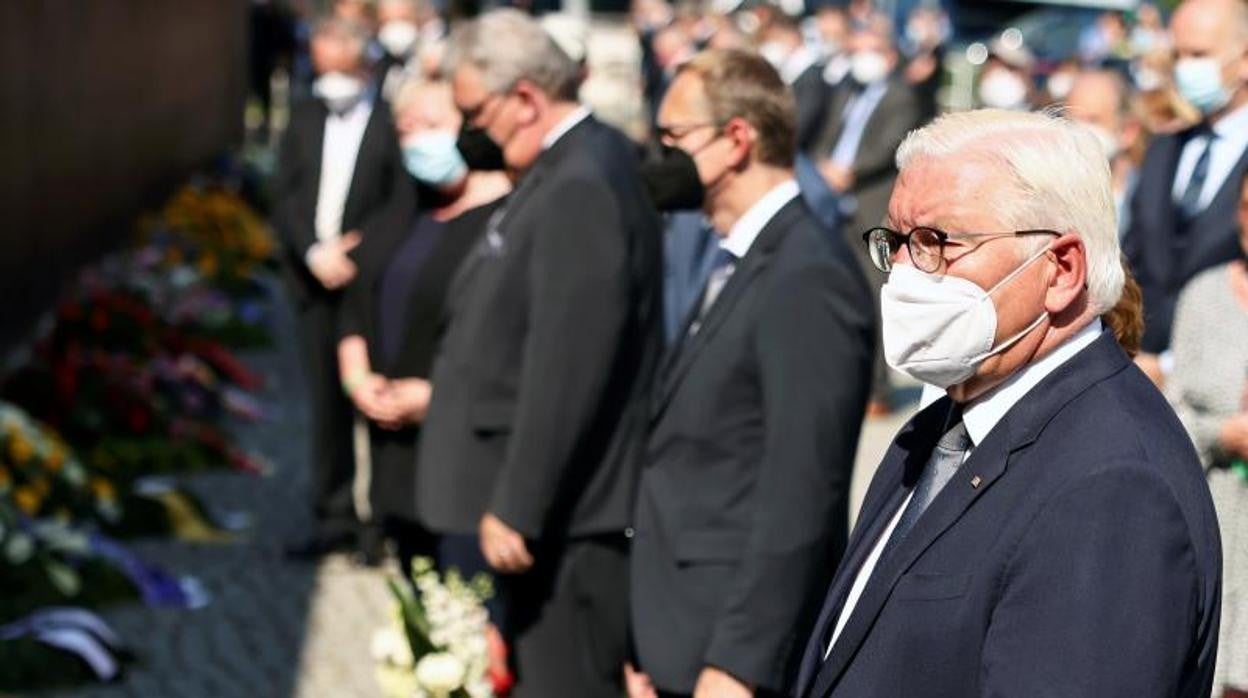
(814, 346)
(578, 301)
(291, 220)
(1100, 598)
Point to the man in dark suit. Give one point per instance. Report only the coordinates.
(533, 435)
(869, 115)
(743, 507)
(1045, 529)
(801, 68)
(339, 182)
(1183, 209)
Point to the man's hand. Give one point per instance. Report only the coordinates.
(329, 263)
(503, 548)
(841, 179)
(714, 683)
(404, 401)
(637, 683)
(367, 394)
(1234, 435)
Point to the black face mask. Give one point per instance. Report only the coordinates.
(480, 151)
(672, 180)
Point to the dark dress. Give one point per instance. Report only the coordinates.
(401, 313)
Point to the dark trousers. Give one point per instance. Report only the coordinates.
(331, 454)
(569, 620)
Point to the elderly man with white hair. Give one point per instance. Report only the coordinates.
(1045, 529)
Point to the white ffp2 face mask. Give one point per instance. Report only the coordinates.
(939, 329)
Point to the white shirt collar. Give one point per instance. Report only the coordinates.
(747, 228)
(1233, 124)
(983, 415)
(561, 129)
(797, 63)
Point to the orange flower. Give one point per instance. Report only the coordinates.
(27, 500)
(20, 449)
(103, 489)
(6, 479)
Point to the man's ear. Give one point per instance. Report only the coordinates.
(533, 102)
(1070, 278)
(743, 137)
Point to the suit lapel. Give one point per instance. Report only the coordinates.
(897, 474)
(1195, 250)
(686, 350)
(986, 464)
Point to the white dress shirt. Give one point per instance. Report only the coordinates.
(748, 227)
(567, 124)
(339, 150)
(979, 417)
(1232, 138)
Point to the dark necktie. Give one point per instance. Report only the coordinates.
(945, 460)
(1189, 203)
(721, 270)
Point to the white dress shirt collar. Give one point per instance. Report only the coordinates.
(747, 228)
(561, 129)
(984, 413)
(1233, 124)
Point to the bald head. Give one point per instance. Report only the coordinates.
(1098, 97)
(1217, 28)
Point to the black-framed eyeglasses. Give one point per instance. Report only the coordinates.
(927, 246)
(670, 133)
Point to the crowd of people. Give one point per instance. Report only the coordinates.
(628, 378)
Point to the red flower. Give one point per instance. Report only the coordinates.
(71, 311)
(99, 320)
(139, 419)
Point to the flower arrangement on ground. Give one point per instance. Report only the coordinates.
(441, 644)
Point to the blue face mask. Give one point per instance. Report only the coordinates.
(433, 158)
(1199, 81)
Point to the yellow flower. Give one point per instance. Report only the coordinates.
(103, 489)
(55, 459)
(41, 486)
(20, 449)
(27, 500)
(208, 264)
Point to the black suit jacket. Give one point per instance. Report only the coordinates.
(1075, 553)
(811, 92)
(875, 164)
(1163, 253)
(380, 196)
(743, 509)
(538, 413)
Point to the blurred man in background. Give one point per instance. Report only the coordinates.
(1101, 100)
(534, 432)
(1183, 211)
(801, 68)
(744, 501)
(339, 177)
(868, 116)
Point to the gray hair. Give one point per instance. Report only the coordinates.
(344, 30)
(508, 46)
(1054, 176)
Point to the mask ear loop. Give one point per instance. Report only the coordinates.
(1026, 330)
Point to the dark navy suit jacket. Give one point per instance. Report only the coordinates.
(1165, 254)
(1074, 554)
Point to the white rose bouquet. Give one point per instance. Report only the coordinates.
(440, 643)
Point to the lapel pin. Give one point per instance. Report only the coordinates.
(975, 481)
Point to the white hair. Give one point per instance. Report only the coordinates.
(1055, 177)
(508, 46)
